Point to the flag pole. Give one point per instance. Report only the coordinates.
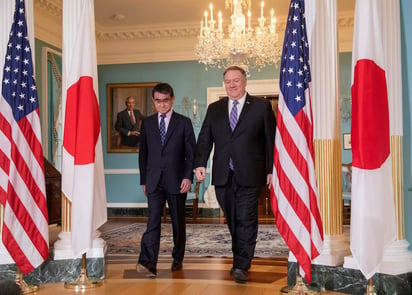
(83, 282)
(370, 288)
(300, 287)
(24, 287)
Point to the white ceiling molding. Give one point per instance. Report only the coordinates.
(155, 43)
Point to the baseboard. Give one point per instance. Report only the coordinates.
(142, 212)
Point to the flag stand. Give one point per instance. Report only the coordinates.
(370, 288)
(24, 287)
(300, 287)
(82, 282)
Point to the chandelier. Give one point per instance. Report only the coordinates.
(243, 45)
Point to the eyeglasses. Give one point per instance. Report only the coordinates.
(160, 101)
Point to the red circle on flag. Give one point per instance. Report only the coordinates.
(370, 137)
(82, 121)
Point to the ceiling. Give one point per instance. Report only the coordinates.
(157, 30)
(159, 12)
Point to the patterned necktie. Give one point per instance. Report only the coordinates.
(132, 118)
(233, 122)
(233, 115)
(162, 128)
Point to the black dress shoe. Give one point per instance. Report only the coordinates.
(146, 269)
(239, 275)
(176, 265)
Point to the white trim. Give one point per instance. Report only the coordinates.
(144, 205)
(127, 205)
(121, 171)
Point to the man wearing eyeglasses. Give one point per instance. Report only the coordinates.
(167, 144)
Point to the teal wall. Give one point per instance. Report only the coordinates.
(345, 64)
(406, 37)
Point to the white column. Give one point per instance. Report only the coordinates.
(322, 23)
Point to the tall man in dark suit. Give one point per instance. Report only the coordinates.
(242, 129)
(167, 144)
(128, 124)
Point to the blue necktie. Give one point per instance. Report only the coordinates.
(233, 115)
(233, 122)
(162, 128)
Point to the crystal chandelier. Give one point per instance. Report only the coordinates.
(243, 46)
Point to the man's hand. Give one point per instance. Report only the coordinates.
(144, 189)
(185, 186)
(200, 173)
(269, 180)
(133, 133)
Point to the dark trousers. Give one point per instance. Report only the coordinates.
(240, 206)
(150, 242)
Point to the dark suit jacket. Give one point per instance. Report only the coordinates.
(174, 160)
(250, 145)
(124, 125)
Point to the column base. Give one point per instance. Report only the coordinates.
(62, 248)
(352, 281)
(335, 248)
(396, 259)
(52, 271)
(61, 266)
(5, 257)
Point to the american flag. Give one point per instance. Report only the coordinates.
(22, 188)
(294, 190)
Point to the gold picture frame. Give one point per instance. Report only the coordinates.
(347, 145)
(116, 98)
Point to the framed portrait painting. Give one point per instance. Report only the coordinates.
(347, 145)
(127, 105)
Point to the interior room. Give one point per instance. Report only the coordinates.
(142, 43)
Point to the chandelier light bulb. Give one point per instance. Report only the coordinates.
(238, 43)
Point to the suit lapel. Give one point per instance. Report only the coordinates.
(245, 109)
(225, 110)
(172, 125)
(152, 124)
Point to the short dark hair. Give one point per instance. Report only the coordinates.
(163, 88)
(235, 68)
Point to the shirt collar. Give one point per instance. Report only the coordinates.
(240, 100)
(168, 114)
